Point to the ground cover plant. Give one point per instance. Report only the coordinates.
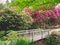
(13, 39)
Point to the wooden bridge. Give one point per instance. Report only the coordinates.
(36, 34)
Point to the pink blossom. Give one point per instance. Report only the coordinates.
(55, 23)
(46, 15)
(40, 17)
(25, 9)
(57, 11)
(37, 13)
(53, 15)
(30, 13)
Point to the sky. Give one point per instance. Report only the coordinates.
(4, 1)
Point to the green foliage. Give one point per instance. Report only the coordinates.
(34, 3)
(13, 39)
(1, 32)
(1, 6)
(20, 41)
(56, 1)
(3, 36)
(10, 36)
(48, 40)
(13, 21)
(23, 42)
(4, 42)
(53, 39)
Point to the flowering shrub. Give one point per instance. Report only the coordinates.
(45, 17)
(10, 20)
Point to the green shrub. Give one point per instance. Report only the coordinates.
(53, 39)
(12, 35)
(13, 39)
(19, 41)
(4, 42)
(10, 20)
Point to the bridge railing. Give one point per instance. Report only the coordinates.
(34, 34)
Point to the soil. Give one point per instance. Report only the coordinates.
(40, 42)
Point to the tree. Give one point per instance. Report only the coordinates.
(26, 3)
